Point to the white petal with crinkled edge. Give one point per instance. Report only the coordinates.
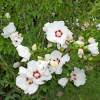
(42, 65)
(32, 64)
(16, 39)
(93, 48)
(21, 82)
(8, 30)
(63, 81)
(49, 25)
(56, 54)
(79, 82)
(58, 70)
(47, 75)
(23, 52)
(65, 59)
(22, 70)
(39, 81)
(32, 89)
(45, 28)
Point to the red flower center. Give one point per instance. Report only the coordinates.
(58, 33)
(36, 74)
(74, 76)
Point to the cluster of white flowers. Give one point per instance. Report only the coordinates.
(38, 72)
(92, 46)
(10, 32)
(34, 75)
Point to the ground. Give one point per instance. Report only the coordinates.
(29, 17)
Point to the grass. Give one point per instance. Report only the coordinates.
(29, 17)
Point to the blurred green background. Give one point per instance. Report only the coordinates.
(29, 17)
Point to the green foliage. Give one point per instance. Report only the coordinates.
(29, 17)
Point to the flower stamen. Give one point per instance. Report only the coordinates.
(36, 74)
(54, 62)
(58, 33)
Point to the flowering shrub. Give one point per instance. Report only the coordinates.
(38, 72)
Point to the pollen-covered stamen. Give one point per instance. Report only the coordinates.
(36, 74)
(29, 81)
(58, 33)
(54, 62)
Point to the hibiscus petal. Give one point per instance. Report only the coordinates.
(32, 89)
(22, 70)
(8, 30)
(58, 70)
(21, 82)
(32, 64)
(56, 54)
(65, 58)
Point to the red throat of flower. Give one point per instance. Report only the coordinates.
(58, 33)
(74, 76)
(36, 74)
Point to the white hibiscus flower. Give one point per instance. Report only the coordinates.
(93, 48)
(23, 52)
(26, 83)
(56, 61)
(8, 30)
(63, 81)
(38, 71)
(57, 32)
(78, 77)
(36, 74)
(16, 39)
